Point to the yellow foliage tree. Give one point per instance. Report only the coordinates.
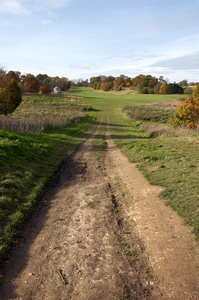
(163, 88)
(196, 92)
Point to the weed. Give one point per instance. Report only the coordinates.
(125, 245)
(126, 232)
(129, 253)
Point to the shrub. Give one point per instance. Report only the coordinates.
(187, 114)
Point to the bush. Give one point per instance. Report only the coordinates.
(187, 114)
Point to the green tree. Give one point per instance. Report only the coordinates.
(173, 88)
(157, 88)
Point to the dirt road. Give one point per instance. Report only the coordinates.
(101, 232)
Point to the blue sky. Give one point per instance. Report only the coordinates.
(84, 38)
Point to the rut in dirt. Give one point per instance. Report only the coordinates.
(79, 243)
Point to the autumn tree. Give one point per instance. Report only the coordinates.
(13, 75)
(31, 84)
(10, 97)
(196, 92)
(188, 90)
(46, 89)
(187, 114)
(138, 80)
(163, 88)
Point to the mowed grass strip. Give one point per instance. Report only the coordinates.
(27, 164)
(178, 155)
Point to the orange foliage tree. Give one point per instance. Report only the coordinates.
(187, 114)
(31, 84)
(46, 89)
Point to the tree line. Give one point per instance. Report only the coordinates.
(145, 84)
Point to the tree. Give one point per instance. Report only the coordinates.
(196, 92)
(46, 89)
(157, 88)
(173, 88)
(138, 80)
(163, 88)
(10, 97)
(31, 84)
(187, 114)
(13, 75)
(188, 90)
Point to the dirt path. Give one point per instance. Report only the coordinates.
(102, 233)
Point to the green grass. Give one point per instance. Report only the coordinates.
(99, 144)
(28, 162)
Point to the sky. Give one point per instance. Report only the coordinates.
(85, 38)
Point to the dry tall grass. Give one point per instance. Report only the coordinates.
(166, 130)
(38, 124)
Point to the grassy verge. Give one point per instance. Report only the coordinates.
(27, 164)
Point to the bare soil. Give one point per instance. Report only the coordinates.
(102, 232)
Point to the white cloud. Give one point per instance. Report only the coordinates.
(46, 21)
(13, 7)
(23, 7)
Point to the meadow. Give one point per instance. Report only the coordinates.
(44, 130)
